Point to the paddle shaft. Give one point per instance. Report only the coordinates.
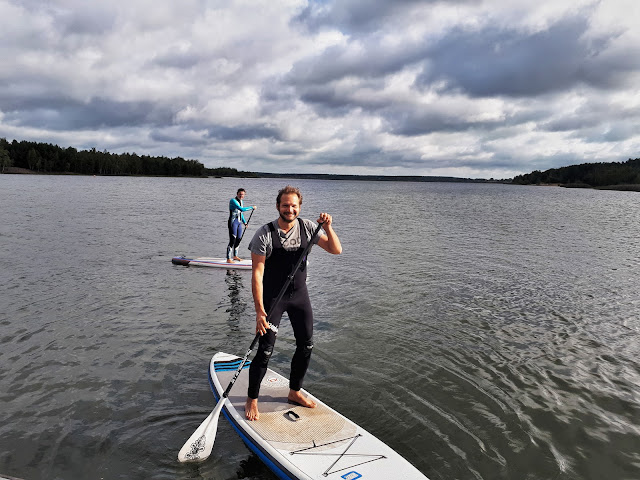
(283, 290)
(245, 226)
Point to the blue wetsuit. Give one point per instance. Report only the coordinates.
(236, 225)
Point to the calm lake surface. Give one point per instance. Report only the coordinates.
(482, 331)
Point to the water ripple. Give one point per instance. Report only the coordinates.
(482, 331)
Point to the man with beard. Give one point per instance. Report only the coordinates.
(275, 250)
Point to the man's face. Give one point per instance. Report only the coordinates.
(289, 207)
(240, 195)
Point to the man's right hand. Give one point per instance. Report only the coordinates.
(261, 323)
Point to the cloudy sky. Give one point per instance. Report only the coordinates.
(466, 88)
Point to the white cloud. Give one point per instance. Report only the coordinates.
(475, 88)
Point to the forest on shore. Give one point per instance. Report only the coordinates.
(45, 158)
(612, 175)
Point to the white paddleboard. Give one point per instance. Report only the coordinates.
(212, 262)
(304, 443)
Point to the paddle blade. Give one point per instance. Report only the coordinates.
(200, 443)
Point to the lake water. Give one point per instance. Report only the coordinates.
(483, 331)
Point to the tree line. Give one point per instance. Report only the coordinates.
(48, 158)
(586, 175)
(229, 172)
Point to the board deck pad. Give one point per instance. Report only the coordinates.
(304, 443)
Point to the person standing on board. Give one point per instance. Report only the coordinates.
(275, 250)
(236, 224)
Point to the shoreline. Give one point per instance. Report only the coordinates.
(301, 176)
(620, 188)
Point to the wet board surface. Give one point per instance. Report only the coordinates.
(212, 262)
(296, 442)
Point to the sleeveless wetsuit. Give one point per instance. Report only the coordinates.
(295, 302)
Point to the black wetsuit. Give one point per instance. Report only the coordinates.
(295, 302)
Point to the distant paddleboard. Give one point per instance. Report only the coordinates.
(212, 262)
(304, 443)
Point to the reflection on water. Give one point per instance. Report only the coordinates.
(483, 331)
(238, 305)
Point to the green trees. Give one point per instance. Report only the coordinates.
(586, 175)
(229, 172)
(47, 158)
(5, 159)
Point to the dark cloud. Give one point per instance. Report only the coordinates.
(362, 15)
(286, 150)
(68, 114)
(276, 97)
(488, 62)
(180, 136)
(496, 62)
(609, 132)
(371, 61)
(92, 20)
(359, 156)
(425, 122)
(591, 115)
(244, 132)
(326, 101)
(16, 98)
(175, 58)
(73, 18)
(569, 123)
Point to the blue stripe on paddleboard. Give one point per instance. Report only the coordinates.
(229, 362)
(268, 460)
(230, 369)
(230, 366)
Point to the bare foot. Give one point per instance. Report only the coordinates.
(296, 397)
(237, 258)
(229, 260)
(251, 409)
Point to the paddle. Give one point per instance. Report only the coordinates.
(245, 226)
(200, 443)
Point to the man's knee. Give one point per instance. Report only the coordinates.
(305, 347)
(263, 355)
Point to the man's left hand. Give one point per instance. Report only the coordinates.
(325, 219)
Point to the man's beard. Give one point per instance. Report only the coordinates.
(286, 220)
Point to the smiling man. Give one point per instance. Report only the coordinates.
(275, 250)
